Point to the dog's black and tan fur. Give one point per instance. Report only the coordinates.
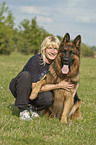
(64, 67)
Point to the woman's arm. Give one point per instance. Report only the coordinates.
(36, 87)
(62, 85)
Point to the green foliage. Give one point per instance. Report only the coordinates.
(6, 42)
(94, 48)
(59, 37)
(6, 15)
(33, 34)
(87, 51)
(27, 39)
(44, 131)
(6, 30)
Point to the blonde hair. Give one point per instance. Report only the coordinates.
(49, 40)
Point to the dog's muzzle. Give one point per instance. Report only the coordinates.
(65, 68)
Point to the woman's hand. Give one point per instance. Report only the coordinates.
(65, 85)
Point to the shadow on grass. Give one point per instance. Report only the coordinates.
(14, 109)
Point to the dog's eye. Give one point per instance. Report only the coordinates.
(72, 52)
(64, 50)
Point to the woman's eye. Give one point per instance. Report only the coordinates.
(55, 48)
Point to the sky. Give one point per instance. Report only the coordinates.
(77, 17)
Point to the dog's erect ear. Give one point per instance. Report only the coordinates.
(66, 38)
(77, 42)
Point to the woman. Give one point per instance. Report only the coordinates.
(37, 66)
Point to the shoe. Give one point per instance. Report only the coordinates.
(33, 114)
(25, 115)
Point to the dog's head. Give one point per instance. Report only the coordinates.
(69, 52)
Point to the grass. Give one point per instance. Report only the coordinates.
(45, 131)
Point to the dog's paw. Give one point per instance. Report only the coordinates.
(64, 120)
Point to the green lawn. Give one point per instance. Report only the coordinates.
(45, 131)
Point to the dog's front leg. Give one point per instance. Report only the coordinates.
(36, 89)
(67, 106)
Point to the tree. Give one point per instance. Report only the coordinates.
(6, 30)
(32, 34)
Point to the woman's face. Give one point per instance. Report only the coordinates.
(51, 53)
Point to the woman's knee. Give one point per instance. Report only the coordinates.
(47, 98)
(24, 80)
(25, 75)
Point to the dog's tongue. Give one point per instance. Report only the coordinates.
(65, 69)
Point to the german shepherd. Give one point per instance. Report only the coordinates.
(64, 67)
